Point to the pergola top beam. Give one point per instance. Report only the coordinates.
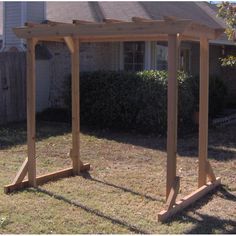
(104, 29)
(115, 29)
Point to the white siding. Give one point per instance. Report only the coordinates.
(12, 19)
(15, 15)
(35, 12)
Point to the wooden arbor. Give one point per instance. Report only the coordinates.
(139, 29)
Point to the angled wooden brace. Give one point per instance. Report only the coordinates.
(83, 166)
(210, 173)
(70, 44)
(173, 193)
(21, 173)
(188, 200)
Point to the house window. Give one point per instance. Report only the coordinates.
(162, 53)
(134, 56)
(185, 60)
(162, 57)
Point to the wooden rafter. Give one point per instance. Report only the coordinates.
(170, 18)
(31, 24)
(109, 20)
(79, 22)
(54, 23)
(197, 30)
(140, 19)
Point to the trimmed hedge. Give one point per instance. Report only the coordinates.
(130, 100)
(138, 100)
(217, 94)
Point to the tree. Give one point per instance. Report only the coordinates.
(227, 11)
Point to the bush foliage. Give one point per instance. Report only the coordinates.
(134, 100)
(130, 100)
(217, 94)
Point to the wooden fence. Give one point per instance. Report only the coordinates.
(12, 87)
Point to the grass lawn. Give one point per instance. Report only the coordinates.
(125, 188)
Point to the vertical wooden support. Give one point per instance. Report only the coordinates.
(31, 111)
(172, 112)
(75, 108)
(203, 111)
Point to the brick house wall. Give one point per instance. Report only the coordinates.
(93, 56)
(106, 56)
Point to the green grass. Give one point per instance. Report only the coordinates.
(125, 189)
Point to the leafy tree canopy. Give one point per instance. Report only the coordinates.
(227, 11)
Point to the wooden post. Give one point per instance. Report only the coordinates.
(75, 108)
(172, 112)
(31, 111)
(203, 111)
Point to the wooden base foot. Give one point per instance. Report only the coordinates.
(44, 179)
(188, 200)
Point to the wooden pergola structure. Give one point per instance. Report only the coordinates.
(139, 29)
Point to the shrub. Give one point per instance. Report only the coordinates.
(217, 94)
(130, 100)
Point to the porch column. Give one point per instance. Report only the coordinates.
(203, 111)
(172, 112)
(31, 111)
(75, 107)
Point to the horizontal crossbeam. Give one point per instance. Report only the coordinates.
(104, 29)
(112, 28)
(188, 200)
(45, 178)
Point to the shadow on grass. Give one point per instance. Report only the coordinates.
(207, 224)
(87, 176)
(96, 212)
(16, 133)
(223, 193)
(222, 141)
(211, 225)
(202, 224)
